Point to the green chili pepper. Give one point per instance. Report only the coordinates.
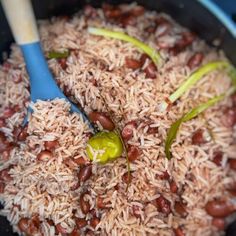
(58, 55)
(104, 147)
(172, 133)
(194, 78)
(152, 53)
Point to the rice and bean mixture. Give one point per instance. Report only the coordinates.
(48, 185)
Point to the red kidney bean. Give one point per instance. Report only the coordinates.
(164, 176)
(63, 63)
(3, 142)
(217, 158)
(7, 152)
(132, 63)
(34, 225)
(136, 211)
(180, 208)
(94, 222)
(103, 119)
(173, 186)
(110, 11)
(75, 186)
(8, 112)
(143, 58)
(174, 50)
(127, 19)
(75, 232)
(2, 122)
(150, 70)
(5, 146)
(195, 60)
(23, 225)
(198, 137)
(84, 205)
(133, 153)
(233, 97)
(5, 176)
(229, 117)
(219, 223)
(29, 226)
(20, 133)
(100, 203)
(44, 155)
(127, 178)
(127, 131)
(60, 229)
(85, 173)
(23, 134)
(163, 205)
(179, 232)
(80, 222)
(186, 39)
(219, 208)
(80, 161)
(232, 164)
(51, 145)
(2, 187)
(232, 189)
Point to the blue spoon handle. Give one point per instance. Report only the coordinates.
(23, 25)
(43, 86)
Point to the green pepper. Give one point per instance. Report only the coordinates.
(104, 147)
(58, 55)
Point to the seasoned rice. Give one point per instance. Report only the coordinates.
(95, 70)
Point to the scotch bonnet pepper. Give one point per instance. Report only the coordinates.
(104, 147)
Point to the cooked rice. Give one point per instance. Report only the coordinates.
(44, 188)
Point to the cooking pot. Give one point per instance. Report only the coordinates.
(201, 16)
